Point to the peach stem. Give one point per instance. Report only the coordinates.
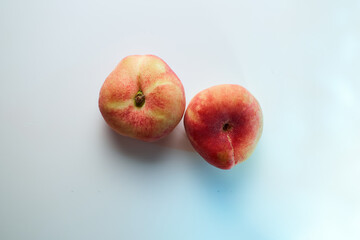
(139, 99)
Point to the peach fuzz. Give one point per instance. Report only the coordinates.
(142, 98)
(224, 124)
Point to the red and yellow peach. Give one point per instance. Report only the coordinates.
(224, 124)
(142, 98)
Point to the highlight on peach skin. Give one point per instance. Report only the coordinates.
(224, 124)
(142, 98)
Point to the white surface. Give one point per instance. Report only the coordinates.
(65, 175)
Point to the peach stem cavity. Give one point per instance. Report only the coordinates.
(226, 127)
(139, 99)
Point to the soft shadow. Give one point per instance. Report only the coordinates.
(224, 187)
(177, 139)
(144, 152)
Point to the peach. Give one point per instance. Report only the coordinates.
(142, 98)
(224, 124)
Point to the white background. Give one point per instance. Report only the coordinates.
(65, 175)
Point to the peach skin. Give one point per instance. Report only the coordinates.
(224, 124)
(142, 98)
